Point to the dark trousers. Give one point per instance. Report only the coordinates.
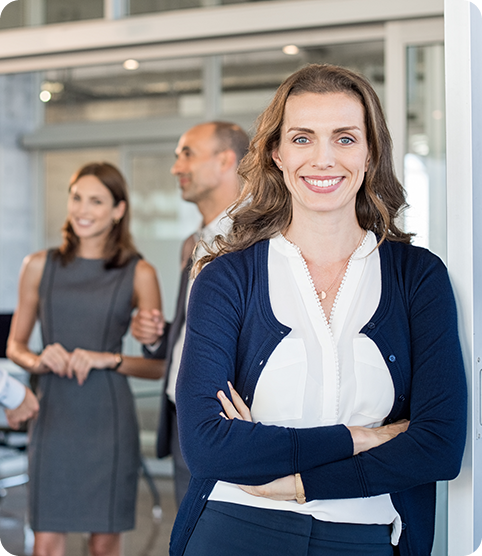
(226, 529)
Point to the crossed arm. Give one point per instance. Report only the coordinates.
(285, 488)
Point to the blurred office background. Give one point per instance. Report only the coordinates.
(121, 80)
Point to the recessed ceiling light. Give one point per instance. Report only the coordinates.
(291, 49)
(45, 96)
(131, 65)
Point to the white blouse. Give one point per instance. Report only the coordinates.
(324, 372)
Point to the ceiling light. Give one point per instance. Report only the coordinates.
(291, 49)
(45, 96)
(131, 64)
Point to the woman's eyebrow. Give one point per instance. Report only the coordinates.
(347, 128)
(303, 129)
(337, 130)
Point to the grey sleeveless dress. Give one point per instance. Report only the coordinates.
(84, 448)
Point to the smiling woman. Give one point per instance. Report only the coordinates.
(324, 154)
(84, 448)
(91, 210)
(98, 216)
(312, 341)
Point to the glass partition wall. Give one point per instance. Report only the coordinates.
(128, 91)
(24, 13)
(20, 13)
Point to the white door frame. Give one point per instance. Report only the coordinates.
(398, 36)
(463, 58)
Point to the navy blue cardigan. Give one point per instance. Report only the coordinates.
(231, 332)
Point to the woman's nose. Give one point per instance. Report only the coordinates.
(323, 156)
(82, 207)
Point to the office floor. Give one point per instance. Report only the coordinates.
(151, 537)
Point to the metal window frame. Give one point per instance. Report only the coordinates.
(216, 22)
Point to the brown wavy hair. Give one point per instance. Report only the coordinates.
(119, 247)
(264, 207)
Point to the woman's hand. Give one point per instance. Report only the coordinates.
(280, 489)
(364, 438)
(236, 409)
(54, 358)
(83, 361)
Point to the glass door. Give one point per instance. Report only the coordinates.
(424, 162)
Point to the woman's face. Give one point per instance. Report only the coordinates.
(91, 209)
(324, 152)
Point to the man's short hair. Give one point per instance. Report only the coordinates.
(231, 136)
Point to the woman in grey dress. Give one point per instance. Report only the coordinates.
(84, 450)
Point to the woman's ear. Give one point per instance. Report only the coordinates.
(119, 210)
(277, 159)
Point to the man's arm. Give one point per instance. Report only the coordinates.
(158, 350)
(148, 329)
(19, 402)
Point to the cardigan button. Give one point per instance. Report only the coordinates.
(404, 526)
(371, 325)
(401, 397)
(392, 358)
(261, 362)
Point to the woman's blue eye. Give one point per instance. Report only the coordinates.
(301, 140)
(346, 141)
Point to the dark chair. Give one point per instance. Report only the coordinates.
(5, 322)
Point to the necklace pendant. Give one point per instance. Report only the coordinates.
(322, 295)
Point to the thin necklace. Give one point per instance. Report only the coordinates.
(323, 292)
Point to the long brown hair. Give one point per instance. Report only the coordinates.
(119, 247)
(265, 207)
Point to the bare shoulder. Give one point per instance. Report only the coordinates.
(144, 271)
(31, 275)
(34, 264)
